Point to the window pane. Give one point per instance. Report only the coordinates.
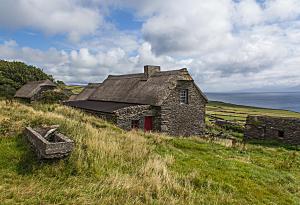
(135, 124)
(184, 96)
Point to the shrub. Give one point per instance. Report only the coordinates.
(53, 96)
(13, 75)
(7, 91)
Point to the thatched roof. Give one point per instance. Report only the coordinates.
(98, 106)
(31, 88)
(72, 97)
(86, 92)
(140, 89)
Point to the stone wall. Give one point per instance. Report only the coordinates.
(111, 117)
(283, 130)
(184, 119)
(125, 116)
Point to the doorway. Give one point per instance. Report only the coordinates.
(148, 124)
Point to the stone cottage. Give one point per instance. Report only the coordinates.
(281, 129)
(166, 101)
(32, 90)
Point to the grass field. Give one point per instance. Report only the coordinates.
(239, 113)
(76, 89)
(111, 166)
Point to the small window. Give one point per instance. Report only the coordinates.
(264, 131)
(280, 133)
(135, 124)
(184, 96)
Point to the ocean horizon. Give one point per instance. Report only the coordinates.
(274, 100)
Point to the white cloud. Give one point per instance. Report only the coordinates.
(228, 41)
(83, 65)
(52, 17)
(227, 45)
(248, 13)
(110, 37)
(75, 66)
(190, 27)
(282, 10)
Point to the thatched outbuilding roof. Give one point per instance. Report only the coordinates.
(32, 88)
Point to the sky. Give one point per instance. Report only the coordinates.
(227, 45)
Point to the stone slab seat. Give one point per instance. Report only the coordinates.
(60, 147)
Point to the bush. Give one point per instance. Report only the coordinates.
(53, 96)
(13, 75)
(7, 91)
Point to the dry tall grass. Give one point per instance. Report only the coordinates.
(111, 166)
(108, 165)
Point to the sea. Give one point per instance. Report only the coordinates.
(275, 100)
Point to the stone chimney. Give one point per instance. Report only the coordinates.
(150, 70)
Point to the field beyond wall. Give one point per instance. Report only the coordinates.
(111, 166)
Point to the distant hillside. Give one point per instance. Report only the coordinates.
(76, 89)
(15, 74)
(112, 166)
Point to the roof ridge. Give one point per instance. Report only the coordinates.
(136, 75)
(169, 72)
(133, 75)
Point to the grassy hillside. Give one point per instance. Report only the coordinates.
(76, 89)
(111, 166)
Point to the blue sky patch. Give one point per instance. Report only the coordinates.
(31, 38)
(124, 19)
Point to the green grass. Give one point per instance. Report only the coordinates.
(111, 166)
(239, 113)
(76, 89)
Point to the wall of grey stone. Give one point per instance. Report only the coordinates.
(126, 115)
(184, 119)
(280, 129)
(111, 117)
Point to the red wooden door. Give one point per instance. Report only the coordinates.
(148, 125)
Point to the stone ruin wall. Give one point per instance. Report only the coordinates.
(283, 130)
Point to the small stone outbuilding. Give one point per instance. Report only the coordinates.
(280, 129)
(32, 90)
(166, 101)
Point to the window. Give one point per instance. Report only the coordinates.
(184, 96)
(280, 133)
(135, 124)
(264, 131)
